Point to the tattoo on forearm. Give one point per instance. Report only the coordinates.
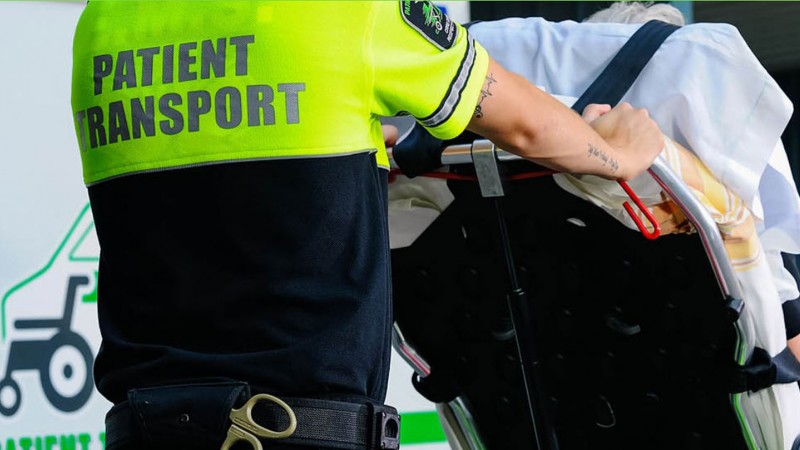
(486, 92)
(608, 161)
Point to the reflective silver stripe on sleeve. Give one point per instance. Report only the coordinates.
(449, 103)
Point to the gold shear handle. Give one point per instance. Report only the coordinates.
(244, 428)
(236, 434)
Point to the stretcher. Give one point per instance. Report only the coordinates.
(536, 320)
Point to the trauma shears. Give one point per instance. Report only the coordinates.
(245, 428)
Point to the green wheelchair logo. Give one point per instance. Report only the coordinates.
(63, 361)
(428, 20)
(433, 16)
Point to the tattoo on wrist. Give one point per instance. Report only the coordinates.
(608, 161)
(486, 92)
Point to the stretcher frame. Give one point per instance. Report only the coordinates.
(460, 427)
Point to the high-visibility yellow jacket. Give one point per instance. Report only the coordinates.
(168, 84)
(236, 171)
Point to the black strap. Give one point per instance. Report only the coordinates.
(791, 308)
(436, 387)
(330, 424)
(619, 75)
(787, 367)
(763, 371)
(759, 373)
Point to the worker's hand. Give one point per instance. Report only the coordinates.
(633, 133)
(594, 110)
(390, 135)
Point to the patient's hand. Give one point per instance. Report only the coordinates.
(794, 346)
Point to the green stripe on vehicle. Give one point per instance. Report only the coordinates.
(736, 399)
(421, 428)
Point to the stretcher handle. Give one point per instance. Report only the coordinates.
(675, 188)
(705, 225)
(462, 154)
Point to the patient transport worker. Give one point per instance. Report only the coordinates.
(237, 175)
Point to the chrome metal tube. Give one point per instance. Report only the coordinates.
(703, 222)
(678, 192)
(409, 355)
(460, 420)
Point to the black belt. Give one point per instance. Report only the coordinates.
(197, 416)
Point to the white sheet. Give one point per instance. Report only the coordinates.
(704, 87)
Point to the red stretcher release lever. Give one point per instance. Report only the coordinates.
(650, 218)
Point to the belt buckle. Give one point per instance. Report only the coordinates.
(389, 438)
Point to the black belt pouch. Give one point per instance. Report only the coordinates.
(191, 416)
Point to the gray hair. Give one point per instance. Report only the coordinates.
(635, 12)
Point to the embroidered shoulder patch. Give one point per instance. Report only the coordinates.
(430, 22)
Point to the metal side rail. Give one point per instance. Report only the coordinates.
(458, 418)
(728, 283)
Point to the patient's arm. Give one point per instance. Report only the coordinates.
(522, 119)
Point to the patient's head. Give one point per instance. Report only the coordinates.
(635, 12)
